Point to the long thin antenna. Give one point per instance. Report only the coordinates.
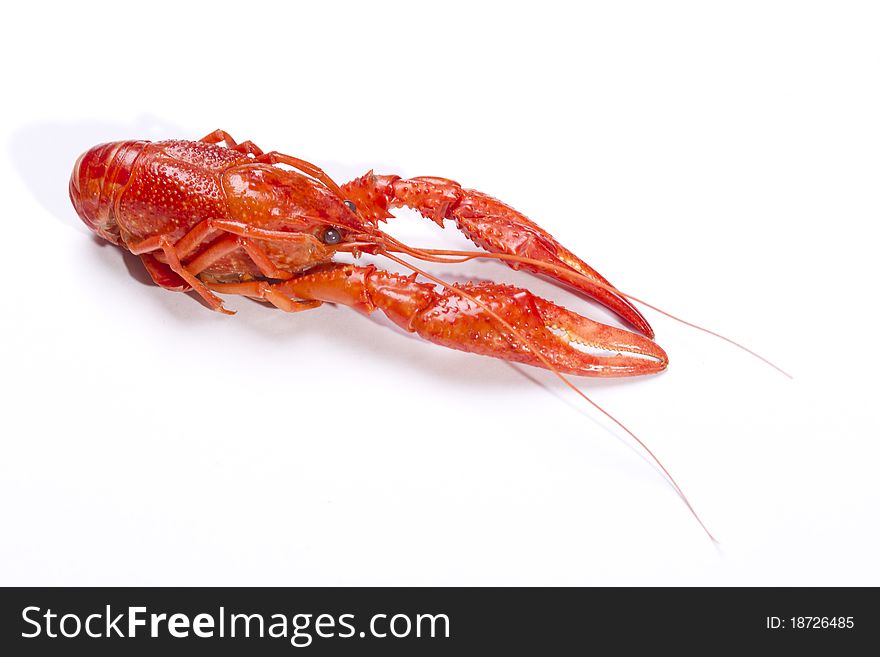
(558, 374)
(464, 256)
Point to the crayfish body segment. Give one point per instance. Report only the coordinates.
(235, 220)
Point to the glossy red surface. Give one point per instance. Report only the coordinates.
(236, 220)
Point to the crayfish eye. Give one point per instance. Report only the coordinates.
(350, 205)
(331, 236)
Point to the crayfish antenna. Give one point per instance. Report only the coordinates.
(431, 255)
(518, 334)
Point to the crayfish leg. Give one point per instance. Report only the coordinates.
(247, 147)
(266, 292)
(162, 274)
(172, 261)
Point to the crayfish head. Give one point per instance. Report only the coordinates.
(97, 177)
(265, 196)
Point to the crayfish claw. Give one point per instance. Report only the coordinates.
(584, 346)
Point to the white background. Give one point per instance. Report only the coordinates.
(721, 162)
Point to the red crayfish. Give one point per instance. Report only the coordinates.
(235, 220)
